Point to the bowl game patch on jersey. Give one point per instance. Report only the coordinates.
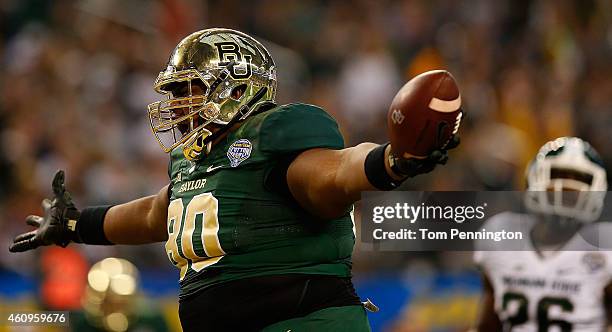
(594, 261)
(239, 151)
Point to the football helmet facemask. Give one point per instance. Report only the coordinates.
(567, 179)
(234, 75)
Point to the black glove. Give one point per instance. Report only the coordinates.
(57, 226)
(411, 167)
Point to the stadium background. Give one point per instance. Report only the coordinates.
(75, 78)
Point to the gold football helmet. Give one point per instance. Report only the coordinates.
(214, 76)
(110, 297)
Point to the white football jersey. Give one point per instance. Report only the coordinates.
(559, 291)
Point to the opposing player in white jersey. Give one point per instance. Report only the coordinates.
(562, 281)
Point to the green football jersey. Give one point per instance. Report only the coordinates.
(224, 224)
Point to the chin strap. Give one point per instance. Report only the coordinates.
(247, 109)
(220, 79)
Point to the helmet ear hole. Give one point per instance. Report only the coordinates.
(238, 91)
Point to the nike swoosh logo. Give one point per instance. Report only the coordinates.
(212, 168)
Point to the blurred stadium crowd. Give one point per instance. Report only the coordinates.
(76, 76)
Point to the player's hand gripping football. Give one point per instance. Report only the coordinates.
(54, 227)
(411, 167)
(423, 121)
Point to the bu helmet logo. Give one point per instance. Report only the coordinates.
(229, 51)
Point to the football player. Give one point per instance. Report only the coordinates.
(257, 215)
(561, 282)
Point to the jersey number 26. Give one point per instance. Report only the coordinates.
(520, 316)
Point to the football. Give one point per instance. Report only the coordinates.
(424, 114)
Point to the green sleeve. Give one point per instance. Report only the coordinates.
(298, 127)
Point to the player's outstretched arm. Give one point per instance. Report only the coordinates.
(140, 221)
(326, 182)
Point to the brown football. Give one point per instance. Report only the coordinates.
(424, 114)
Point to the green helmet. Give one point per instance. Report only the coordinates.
(235, 75)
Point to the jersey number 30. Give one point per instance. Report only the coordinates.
(544, 322)
(193, 233)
